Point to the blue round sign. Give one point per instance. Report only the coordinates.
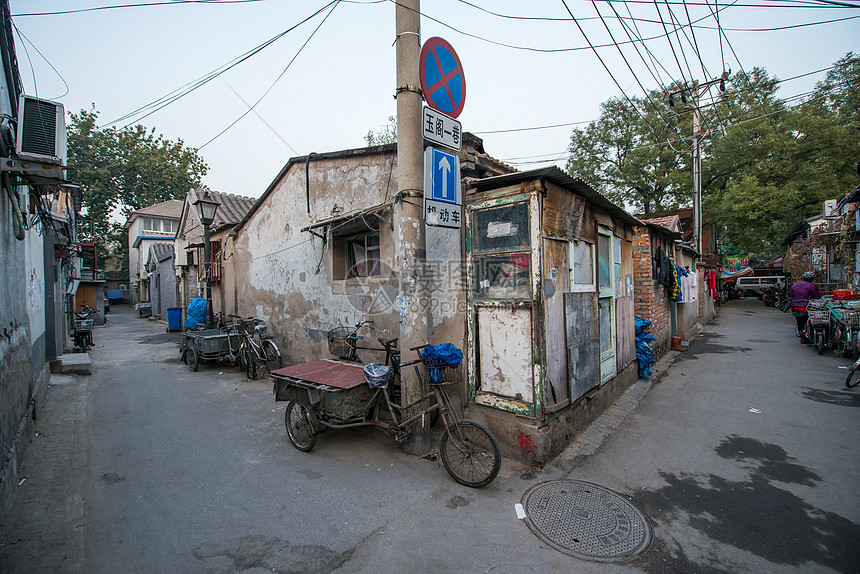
(442, 79)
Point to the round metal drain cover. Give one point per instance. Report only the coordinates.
(586, 521)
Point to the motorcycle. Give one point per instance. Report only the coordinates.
(82, 331)
(768, 296)
(729, 292)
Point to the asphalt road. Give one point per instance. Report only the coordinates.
(144, 466)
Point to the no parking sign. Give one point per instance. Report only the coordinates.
(442, 80)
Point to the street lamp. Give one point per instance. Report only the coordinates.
(206, 207)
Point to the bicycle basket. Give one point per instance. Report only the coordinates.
(818, 317)
(340, 341)
(441, 360)
(851, 319)
(377, 375)
(83, 324)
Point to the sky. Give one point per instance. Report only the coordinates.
(328, 79)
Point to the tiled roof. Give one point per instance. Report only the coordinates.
(161, 251)
(232, 209)
(169, 208)
(666, 221)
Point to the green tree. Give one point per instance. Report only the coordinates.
(628, 155)
(776, 165)
(126, 168)
(765, 165)
(387, 134)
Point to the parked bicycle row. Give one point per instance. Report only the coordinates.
(232, 340)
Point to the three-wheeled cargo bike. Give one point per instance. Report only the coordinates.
(331, 394)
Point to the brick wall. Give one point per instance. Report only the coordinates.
(651, 299)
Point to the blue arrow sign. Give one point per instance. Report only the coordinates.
(441, 176)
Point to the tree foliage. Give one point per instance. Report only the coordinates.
(126, 169)
(766, 165)
(387, 134)
(628, 154)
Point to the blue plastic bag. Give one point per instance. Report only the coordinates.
(643, 349)
(640, 324)
(440, 357)
(196, 314)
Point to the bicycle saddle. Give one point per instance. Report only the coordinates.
(386, 342)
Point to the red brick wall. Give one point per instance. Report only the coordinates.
(651, 299)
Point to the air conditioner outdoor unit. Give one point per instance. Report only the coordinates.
(41, 135)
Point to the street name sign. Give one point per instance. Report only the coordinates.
(442, 195)
(441, 129)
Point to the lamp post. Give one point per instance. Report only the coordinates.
(206, 208)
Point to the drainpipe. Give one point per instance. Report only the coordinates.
(308, 179)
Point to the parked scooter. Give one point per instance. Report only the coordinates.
(730, 291)
(783, 300)
(853, 378)
(82, 332)
(768, 296)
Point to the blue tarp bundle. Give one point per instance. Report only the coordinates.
(643, 349)
(439, 357)
(196, 313)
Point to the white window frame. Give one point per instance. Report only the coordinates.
(575, 287)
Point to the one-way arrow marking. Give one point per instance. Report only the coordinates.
(445, 168)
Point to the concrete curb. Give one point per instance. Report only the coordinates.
(588, 442)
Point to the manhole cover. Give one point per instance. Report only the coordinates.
(586, 521)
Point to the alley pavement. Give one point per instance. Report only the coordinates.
(739, 450)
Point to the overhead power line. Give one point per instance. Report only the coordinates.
(585, 122)
(142, 5)
(260, 99)
(167, 99)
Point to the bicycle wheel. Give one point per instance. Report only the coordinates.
(273, 356)
(192, 358)
(301, 422)
(853, 376)
(470, 453)
(250, 364)
(819, 342)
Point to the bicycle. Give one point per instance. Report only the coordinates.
(818, 328)
(260, 353)
(853, 378)
(469, 451)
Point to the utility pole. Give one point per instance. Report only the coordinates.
(409, 213)
(697, 170)
(695, 93)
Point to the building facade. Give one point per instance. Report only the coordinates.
(154, 224)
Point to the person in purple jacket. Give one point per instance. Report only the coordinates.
(802, 293)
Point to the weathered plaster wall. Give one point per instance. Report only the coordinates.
(286, 276)
(167, 287)
(224, 291)
(23, 374)
(707, 310)
(688, 311)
